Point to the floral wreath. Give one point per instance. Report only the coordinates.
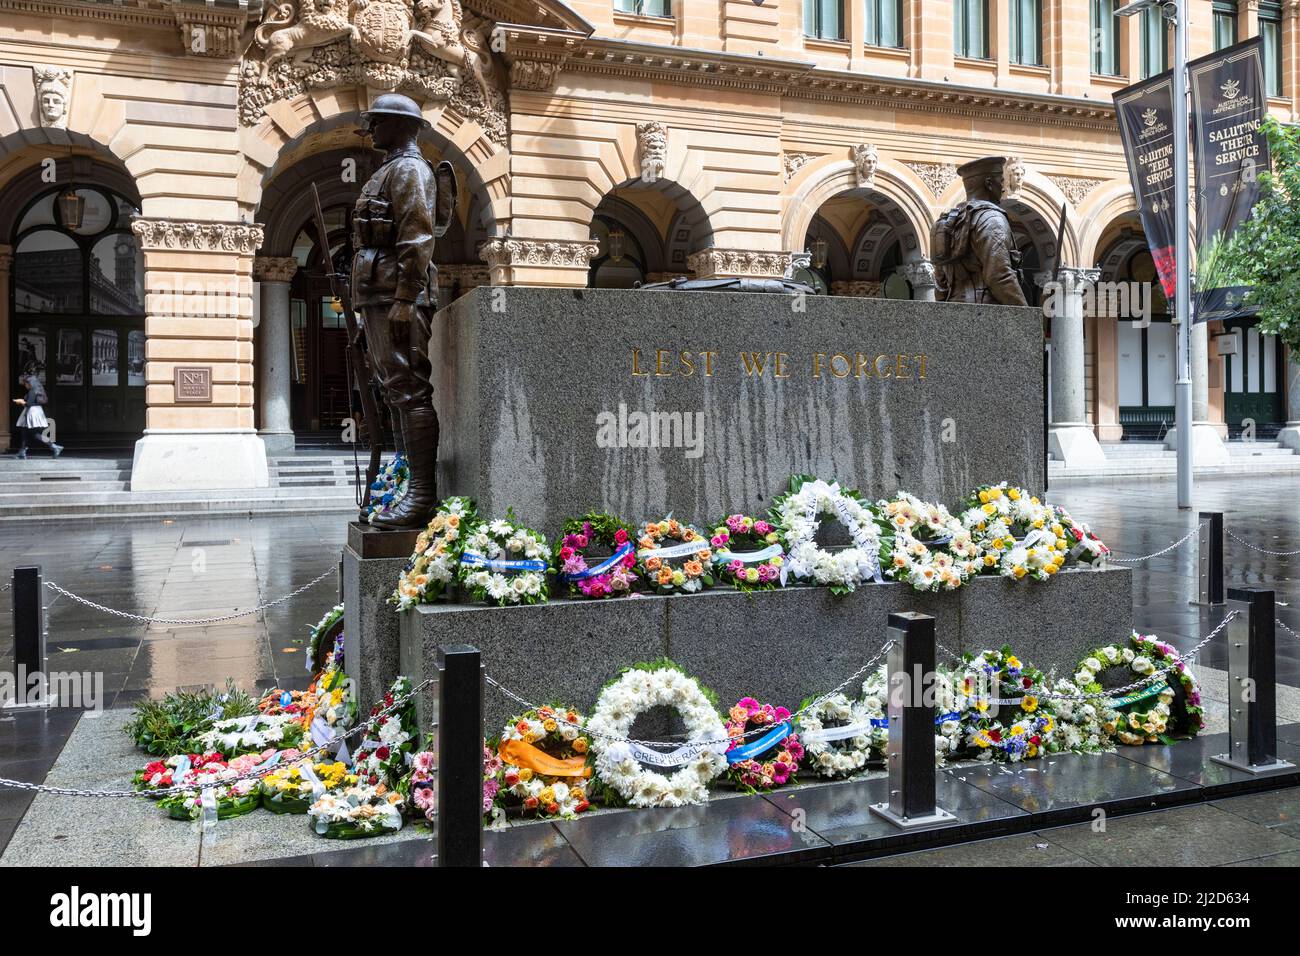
(619, 761)
(332, 702)
(656, 553)
(382, 754)
(1014, 728)
(767, 760)
(1086, 547)
(1017, 535)
(925, 545)
(607, 576)
(505, 563)
(388, 488)
(1141, 715)
(838, 735)
(748, 552)
(356, 812)
(319, 631)
(1083, 723)
(295, 787)
(255, 733)
(1165, 655)
(949, 705)
(225, 795)
(432, 567)
(797, 515)
(543, 756)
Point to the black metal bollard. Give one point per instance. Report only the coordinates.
(460, 756)
(29, 637)
(910, 753)
(1210, 559)
(1252, 684)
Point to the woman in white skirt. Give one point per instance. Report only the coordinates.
(31, 420)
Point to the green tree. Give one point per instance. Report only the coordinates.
(1264, 253)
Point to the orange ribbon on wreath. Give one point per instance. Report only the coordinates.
(520, 754)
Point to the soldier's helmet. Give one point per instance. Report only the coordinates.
(977, 170)
(395, 104)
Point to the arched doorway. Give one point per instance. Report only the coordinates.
(646, 233)
(858, 245)
(76, 299)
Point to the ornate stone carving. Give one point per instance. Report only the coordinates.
(937, 176)
(1076, 188)
(53, 95)
(500, 253)
(865, 163)
(920, 273)
(428, 49)
(862, 288)
(1015, 175)
(537, 75)
(712, 262)
(198, 236)
(793, 162)
(274, 268)
(652, 149)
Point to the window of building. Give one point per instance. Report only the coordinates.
(1270, 31)
(1155, 42)
(884, 22)
(1027, 32)
(646, 8)
(1105, 38)
(1225, 24)
(823, 19)
(970, 28)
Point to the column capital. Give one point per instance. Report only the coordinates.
(274, 268)
(715, 263)
(1072, 277)
(509, 257)
(920, 272)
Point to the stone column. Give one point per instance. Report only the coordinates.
(6, 333)
(1069, 436)
(275, 274)
(1289, 437)
(921, 274)
(198, 315)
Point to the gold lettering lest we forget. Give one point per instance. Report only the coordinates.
(679, 363)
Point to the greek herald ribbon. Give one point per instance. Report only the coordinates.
(762, 744)
(601, 568)
(748, 557)
(676, 758)
(676, 550)
(476, 560)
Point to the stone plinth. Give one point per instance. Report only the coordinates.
(777, 645)
(372, 562)
(542, 395)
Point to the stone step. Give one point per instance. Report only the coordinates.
(1166, 467)
(170, 504)
(44, 489)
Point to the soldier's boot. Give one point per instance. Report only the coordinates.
(420, 430)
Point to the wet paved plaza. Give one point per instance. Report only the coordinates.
(191, 568)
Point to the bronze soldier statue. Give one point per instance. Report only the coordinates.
(972, 245)
(403, 207)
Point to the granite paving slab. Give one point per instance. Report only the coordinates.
(1020, 850)
(1198, 835)
(1190, 760)
(1275, 808)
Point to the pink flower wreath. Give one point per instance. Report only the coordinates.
(775, 766)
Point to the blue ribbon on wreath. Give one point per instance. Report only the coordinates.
(476, 560)
(601, 568)
(762, 744)
(884, 721)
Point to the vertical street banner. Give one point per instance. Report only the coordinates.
(1229, 150)
(1146, 124)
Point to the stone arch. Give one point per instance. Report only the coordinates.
(897, 190)
(1038, 208)
(1099, 211)
(668, 221)
(18, 185)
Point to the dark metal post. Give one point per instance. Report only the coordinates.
(1210, 558)
(342, 598)
(460, 756)
(1252, 684)
(910, 753)
(29, 637)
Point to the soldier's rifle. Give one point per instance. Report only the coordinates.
(361, 372)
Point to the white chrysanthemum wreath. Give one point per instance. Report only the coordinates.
(797, 515)
(505, 563)
(631, 769)
(837, 735)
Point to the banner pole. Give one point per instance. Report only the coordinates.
(1182, 265)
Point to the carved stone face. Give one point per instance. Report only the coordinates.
(53, 105)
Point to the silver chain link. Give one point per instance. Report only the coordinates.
(1255, 547)
(256, 773)
(653, 744)
(178, 622)
(1282, 625)
(1147, 557)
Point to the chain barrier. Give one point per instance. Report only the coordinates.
(1287, 629)
(1255, 547)
(178, 622)
(653, 744)
(1147, 557)
(255, 773)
